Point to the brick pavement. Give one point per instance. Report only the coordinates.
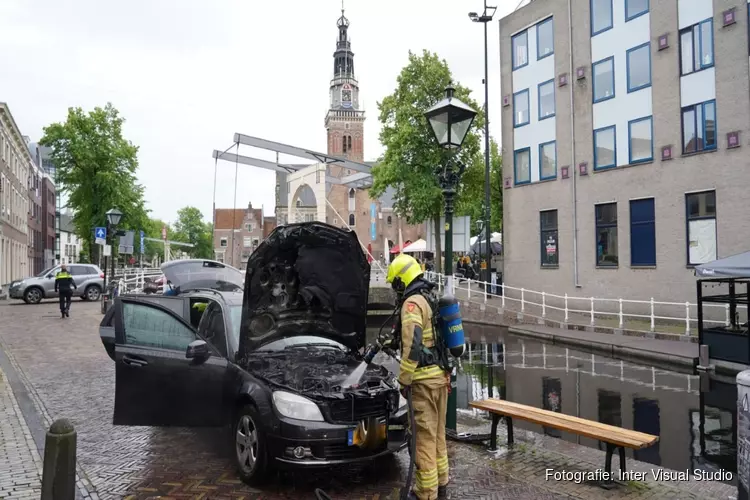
(20, 464)
(68, 374)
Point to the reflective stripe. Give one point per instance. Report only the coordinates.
(427, 334)
(409, 317)
(408, 366)
(428, 372)
(426, 480)
(442, 465)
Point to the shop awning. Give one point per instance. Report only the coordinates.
(735, 266)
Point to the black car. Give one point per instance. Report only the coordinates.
(270, 362)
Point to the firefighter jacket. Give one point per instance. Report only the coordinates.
(64, 282)
(419, 363)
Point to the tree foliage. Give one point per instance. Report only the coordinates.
(411, 153)
(472, 195)
(96, 167)
(190, 228)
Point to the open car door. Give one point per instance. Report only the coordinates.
(165, 374)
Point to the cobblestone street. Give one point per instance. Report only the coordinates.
(66, 374)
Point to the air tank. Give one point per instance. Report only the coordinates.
(451, 326)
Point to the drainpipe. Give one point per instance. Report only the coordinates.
(573, 149)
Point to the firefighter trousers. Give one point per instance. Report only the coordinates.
(430, 401)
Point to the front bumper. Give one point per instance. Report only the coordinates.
(16, 291)
(326, 444)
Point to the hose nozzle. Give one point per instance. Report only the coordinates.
(371, 352)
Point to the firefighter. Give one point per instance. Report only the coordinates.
(422, 372)
(63, 283)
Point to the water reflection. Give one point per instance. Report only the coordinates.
(696, 430)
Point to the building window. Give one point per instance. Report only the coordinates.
(352, 200)
(521, 108)
(351, 219)
(522, 166)
(601, 16)
(249, 228)
(389, 220)
(520, 47)
(256, 242)
(638, 62)
(247, 242)
(545, 39)
(299, 203)
(349, 142)
(697, 47)
(699, 127)
(635, 8)
(641, 140)
(701, 227)
(546, 96)
(605, 149)
(548, 238)
(604, 79)
(606, 235)
(642, 233)
(548, 160)
(223, 241)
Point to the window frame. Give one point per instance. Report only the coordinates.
(536, 30)
(715, 218)
(542, 239)
(611, 17)
(593, 78)
(513, 49)
(646, 45)
(597, 226)
(652, 222)
(698, 45)
(614, 133)
(515, 165)
(693, 107)
(225, 242)
(638, 14)
(352, 220)
(650, 118)
(528, 108)
(541, 146)
(539, 100)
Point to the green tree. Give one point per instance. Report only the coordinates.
(471, 192)
(96, 168)
(190, 228)
(412, 155)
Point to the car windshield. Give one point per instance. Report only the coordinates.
(45, 272)
(235, 317)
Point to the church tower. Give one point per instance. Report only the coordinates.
(345, 120)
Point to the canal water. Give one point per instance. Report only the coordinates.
(696, 430)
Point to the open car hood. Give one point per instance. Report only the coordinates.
(199, 273)
(306, 274)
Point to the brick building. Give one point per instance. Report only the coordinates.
(36, 241)
(624, 140)
(238, 232)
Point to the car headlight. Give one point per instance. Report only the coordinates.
(295, 406)
(402, 402)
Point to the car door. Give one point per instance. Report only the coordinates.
(49, 283)
(79, 275)
(155, 384)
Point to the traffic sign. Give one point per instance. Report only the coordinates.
(108, 250)
(100, 233)
(143, 244)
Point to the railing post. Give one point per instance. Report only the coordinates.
(468, 288)
(727, 322)
(544, 304)
(653, 319)
(502, 289)
(485, 291)
(523, 305)
(592, 311)
(687, 318)
(622, 319)
(566, 307)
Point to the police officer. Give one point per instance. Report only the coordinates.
(63, 283)
(422, 373)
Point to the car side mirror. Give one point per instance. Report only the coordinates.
(49, 276)
(198, 349)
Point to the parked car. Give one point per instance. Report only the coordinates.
(270, 364)
(88, 278)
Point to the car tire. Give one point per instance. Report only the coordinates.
(249, 446)
(33, 295)
(92, 293)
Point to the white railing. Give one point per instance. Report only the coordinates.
(594, 311)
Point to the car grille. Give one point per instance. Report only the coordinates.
(357, 409)
(344, 452)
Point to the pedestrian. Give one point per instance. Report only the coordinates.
(423, 371)
(63, 283)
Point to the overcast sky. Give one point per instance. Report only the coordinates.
(188, 74)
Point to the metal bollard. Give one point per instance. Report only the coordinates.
(59, 473)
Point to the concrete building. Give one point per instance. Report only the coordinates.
(50, 222)
(623, 139)
(238, 232)
(15, 162)
(70, 244)
(42, 157)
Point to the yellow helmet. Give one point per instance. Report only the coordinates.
(404, 268)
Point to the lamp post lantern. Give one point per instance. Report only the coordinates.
(450, 121)
(113, 220)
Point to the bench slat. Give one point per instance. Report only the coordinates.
(503, 405)
(595, 430)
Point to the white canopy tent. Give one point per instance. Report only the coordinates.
(418, 246)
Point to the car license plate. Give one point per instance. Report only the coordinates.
(354, 438)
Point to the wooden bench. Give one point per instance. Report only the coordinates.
(616, 438)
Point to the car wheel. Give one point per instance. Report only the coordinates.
(33, 295)
(92, 293)
(249, 446)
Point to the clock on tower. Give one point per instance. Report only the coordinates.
(346, 96)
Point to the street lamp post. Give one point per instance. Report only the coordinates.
(450, 121)
(113, 220)
(485, 18)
